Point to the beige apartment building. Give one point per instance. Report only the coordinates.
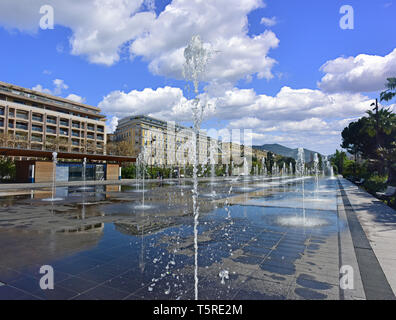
(38, 121)
(163, 143)
(235, 152)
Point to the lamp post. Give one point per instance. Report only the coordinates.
(154, 139)
(376, 109)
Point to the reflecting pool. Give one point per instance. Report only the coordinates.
(108, 242)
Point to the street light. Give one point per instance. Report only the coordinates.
(376, 109)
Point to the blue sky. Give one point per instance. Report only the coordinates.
(269, 84)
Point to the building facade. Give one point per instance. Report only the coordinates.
(38, 121)
(167, 143)
(161, 142)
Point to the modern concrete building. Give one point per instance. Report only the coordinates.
(38, 121)
(33, 125)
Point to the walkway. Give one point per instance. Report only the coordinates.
(373, 230)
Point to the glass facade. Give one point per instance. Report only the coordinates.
(74, 172)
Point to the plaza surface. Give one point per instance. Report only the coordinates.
(106, 242)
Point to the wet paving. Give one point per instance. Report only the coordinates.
(123, 242)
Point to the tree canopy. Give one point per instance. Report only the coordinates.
(390, 92)
(360, 137)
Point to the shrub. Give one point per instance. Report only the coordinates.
(128, 172)
(375, 184)
(7, 170)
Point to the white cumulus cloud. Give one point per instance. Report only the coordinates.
(167, 103)
(100, 27)
(223, 24)
(294, 116)
(363, 73)
(269, 22)
(102, 31)
(59, 87)
(75, 98)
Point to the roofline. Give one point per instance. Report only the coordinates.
(78, 104)
(131, 118)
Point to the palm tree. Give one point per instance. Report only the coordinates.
(383, 123)
(388, 94)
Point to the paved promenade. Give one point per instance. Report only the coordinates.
(373, 229)
(102, 247)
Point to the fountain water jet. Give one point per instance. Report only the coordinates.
(53, 191)
(196, 60)
(142, 162)
(316, 164)
(300, 168)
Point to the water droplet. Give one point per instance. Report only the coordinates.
(224, 275)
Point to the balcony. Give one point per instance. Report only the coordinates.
(75, 143)
(36, 147)
(21, 126)
(100, 129)
(1, 123)
(90, 136)
(51, 130)
(37, 129)
(91, 128)
(64, 132)
(20, 137)
(50, 120)
(64, 123)
(37, 139)
(101, 138)
(76, 125)
(37, 118)
(24, 116)
(1, 112)
(76, 134)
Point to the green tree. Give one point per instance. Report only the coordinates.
(7, 140)
(389, 157)
(382, 123)
(390, 92)
(321, 166)
(7, 169)
(269, 162)
(339, 160)
(128, 172)
(360, 136)
(355, 140)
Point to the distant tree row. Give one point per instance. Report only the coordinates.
(373, 138)
(371, 141)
